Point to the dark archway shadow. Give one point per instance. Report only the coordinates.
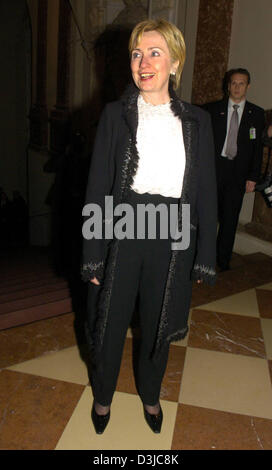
(15, 83)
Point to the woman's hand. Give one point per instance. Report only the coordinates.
(95, 281)
(199, 281)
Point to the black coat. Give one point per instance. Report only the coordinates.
(113, 166)
(249, 151)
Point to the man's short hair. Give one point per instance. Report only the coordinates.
(241, 71)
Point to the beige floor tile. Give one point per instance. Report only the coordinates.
(227, 382)
(266, 286)
(182, 342)
(244, 303)
(65, 365)
(126, 430)
(267, 334)
(129, 333)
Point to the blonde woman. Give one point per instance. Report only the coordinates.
(151, 148)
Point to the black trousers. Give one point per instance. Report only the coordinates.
(140, 275)
(230, 199)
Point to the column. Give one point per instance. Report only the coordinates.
(212, 49)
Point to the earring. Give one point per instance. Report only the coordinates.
(173, 73)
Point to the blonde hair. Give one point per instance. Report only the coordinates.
(173, 37)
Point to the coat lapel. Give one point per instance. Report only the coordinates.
(131, 157)
(190, 138)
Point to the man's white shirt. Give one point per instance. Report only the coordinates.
(230, 111)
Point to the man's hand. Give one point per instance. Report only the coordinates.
(95, 281)
(250, 186)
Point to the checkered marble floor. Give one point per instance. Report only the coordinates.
(216, 393)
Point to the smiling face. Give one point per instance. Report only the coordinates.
(151, 65)
(238, 87)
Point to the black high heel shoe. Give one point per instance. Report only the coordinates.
(154, 421)
(99, 421)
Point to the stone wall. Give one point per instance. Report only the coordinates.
(212, 49)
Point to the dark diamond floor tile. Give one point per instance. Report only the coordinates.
(205, 429)
(264, 299)
(225, 332)
(26, 342)
(34, 410)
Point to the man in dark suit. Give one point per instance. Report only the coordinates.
(237, 127)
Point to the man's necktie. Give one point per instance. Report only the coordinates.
(231, 148)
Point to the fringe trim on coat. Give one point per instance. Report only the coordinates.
(204, 273)
(91, 270)
(189, 126)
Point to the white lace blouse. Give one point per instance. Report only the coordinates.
(161, 150)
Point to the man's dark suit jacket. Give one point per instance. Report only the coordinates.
(249, 151)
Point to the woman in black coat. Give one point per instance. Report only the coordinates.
(151, 150)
